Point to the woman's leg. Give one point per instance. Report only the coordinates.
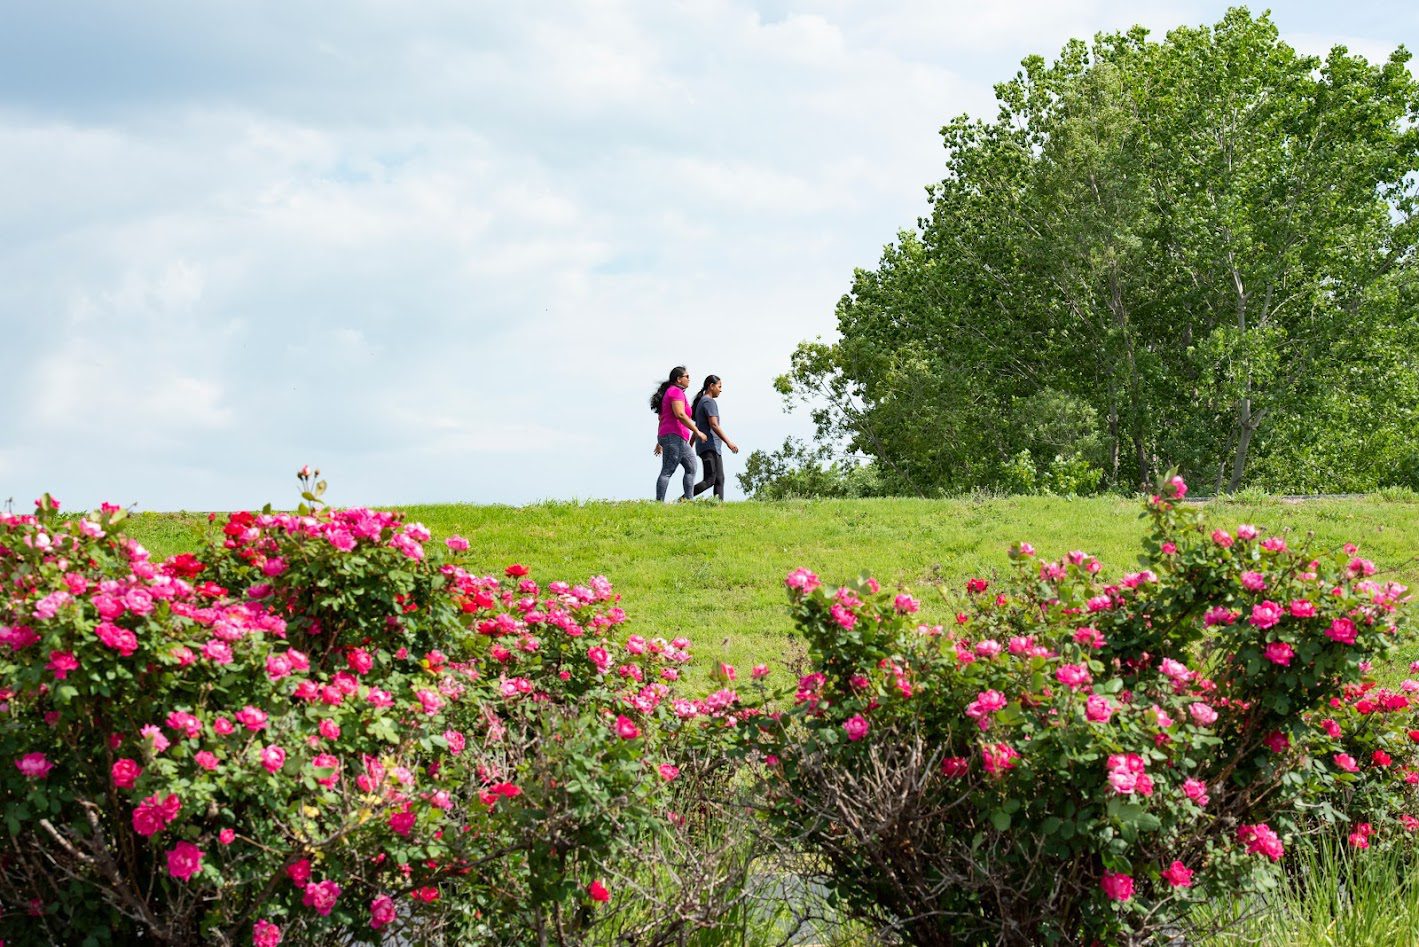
(687, 457)
(708, 481)
(669, 458)
(719, 475)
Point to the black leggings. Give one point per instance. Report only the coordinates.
(714, 474)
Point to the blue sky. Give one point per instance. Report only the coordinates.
(444, 250)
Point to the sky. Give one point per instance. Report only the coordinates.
(445, 251)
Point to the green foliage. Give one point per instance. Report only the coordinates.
(316, 724)
(1075, 760)
(797, 470)
(1197, 252)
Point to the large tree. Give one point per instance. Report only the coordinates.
(1198, 252)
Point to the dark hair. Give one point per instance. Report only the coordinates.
(709, 380)
(659, 395)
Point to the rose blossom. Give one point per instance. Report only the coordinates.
(1098, 709)
(1073, 676)
(1342, 630)
(1196, 790)
(321, 895)
(382, 908)
(125, 773)
(1279, 652)
(184, 860)
(1118, 886)
(34, 765)
(1202, 714)
(1178, 875)
(265, 934)
(856, 727)
(273, 758)
(1266, 614)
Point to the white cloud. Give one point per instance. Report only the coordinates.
(445, 250)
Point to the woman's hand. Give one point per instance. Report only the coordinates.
(657, 449)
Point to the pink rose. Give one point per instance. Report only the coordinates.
(34, 765)
(61, 663)
(382, 908)
(328, 763)
(1178, 875)
(265, 934)
(1260, 839)
(668, 771)
(402, 822)
(299, 872)
(1202, 714)
(273, 758)
(184, 860)
(1346, 762)
(954, 767)
(1279, 652)
(1253, 581)
(251, 718)
(125, 773)
(626, 728)
(1342, 630)
(1118, 886)
(119, 639)
(1073, 676)
(856, 727)
(1266, 614)
(226, 836)
(1196, 790)
(1098, 709)
(207, 760)
(321, 895)
(997, 758)
(598, 891)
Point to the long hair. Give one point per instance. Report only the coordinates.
(709, 380)
(659, 395)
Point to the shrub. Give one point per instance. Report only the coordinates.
(318, 728)
(1075, 759)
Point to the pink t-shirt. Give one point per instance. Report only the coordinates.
(669, 424)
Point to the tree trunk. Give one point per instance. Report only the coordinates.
(1246, 426)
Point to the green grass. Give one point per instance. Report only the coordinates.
(1326, 897)
(713, 572)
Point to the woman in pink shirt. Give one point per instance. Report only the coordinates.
(672, 438)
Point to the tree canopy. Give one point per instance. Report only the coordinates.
(1196, 253)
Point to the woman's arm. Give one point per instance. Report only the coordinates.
(678, 407)
(719, 432)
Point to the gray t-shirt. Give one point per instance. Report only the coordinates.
(707, 408)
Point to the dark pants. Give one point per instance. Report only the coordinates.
(714, 474)
(675, 452)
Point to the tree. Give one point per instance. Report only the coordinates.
(1204, 241)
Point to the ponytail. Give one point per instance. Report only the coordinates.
(659, 396)
(709, 380)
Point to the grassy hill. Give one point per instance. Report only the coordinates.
(713, 572)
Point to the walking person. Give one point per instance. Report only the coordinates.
(705, 411)
(672, 440)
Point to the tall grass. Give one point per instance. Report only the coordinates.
(1327, 896)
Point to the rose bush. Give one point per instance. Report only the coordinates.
(1075, 760)
(319, 728)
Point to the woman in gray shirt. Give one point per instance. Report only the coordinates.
(711, 450)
